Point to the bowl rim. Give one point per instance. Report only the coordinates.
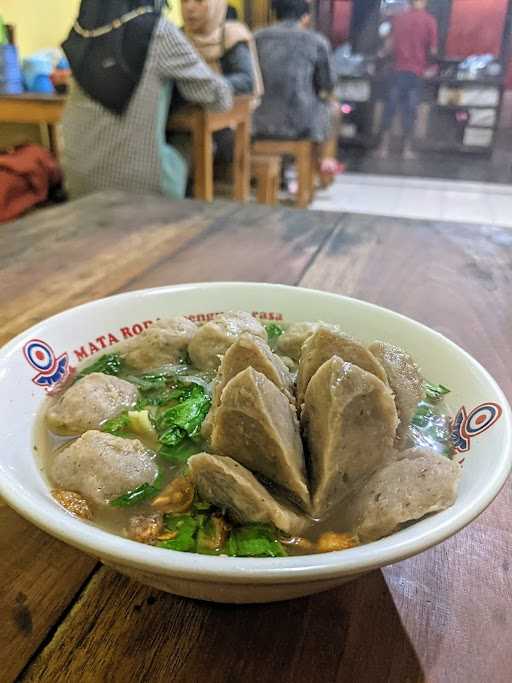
(124, 552)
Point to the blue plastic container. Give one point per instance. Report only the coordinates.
(11, 78)
(42, 84)
(37, 71)
(11, 87)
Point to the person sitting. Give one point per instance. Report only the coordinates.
(228, 48)
(126, 58)
(298, 77)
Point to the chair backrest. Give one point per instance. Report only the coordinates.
(258, 13)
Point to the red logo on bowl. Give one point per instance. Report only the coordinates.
(466, 425)
(51, 369)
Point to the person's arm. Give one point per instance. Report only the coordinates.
(238, 69)
(324, 76)
(178, 61)
(387, 48)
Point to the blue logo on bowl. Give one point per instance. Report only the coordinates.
(466, 425)
(50, 369)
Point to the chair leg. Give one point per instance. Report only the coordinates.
(260, 189)
(267, 189)
(275, 188)
(305, 176)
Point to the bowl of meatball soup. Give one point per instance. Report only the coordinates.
(239, 442)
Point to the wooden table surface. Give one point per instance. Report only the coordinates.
(443, 616)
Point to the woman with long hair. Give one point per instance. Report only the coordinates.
(227, 46)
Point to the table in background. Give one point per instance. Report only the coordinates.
(202, 124)
(444, 616)
(43, 110)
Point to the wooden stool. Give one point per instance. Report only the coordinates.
(267, 172)
(304, 153)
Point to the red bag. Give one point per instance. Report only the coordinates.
(27, 174)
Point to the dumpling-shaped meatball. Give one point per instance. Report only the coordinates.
(291, 341)
(408, 489)
(405, 381)
(224, 482)
(213, 339)
(324, 344)
(162, 342)
(102, 467)
(349, 418)
(248, 352)
(89, 402)
(256, 425)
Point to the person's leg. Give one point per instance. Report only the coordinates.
(411, 102)
(390, 108)
(326, 152)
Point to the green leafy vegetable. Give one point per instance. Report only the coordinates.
(274, 331)
(148, 382)
(184, 391)
(141, 493)
(109, 364)
(254, 540)
(206, 531)
(429, 426)
(118, 426)
(185, 527)
(211, 536)
(178, 455)
(173, 436)
(185, 418)
(435, 392)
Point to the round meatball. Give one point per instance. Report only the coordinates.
(214, 339)
(163, 342)
(290, 342)
(102, 467)
(89, 402)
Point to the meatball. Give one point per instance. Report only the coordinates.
(89, 402)
(291, 341)
(102, 467)
(214, 339)
(163, 342)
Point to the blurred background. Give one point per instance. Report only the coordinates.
(463, 128)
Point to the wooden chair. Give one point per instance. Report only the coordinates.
(266, 170)
(304, 153)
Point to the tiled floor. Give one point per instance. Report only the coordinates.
(496, 168)
(468, 202)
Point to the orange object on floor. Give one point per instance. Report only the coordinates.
(27, 174)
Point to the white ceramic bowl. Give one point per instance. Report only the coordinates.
(42, 355)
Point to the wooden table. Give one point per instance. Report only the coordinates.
(44, 110)
(444, 616)
(202, 124)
